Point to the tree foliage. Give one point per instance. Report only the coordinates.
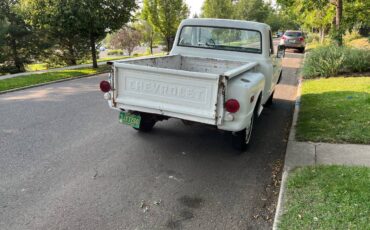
(356, 14)
(218, 9)
(99, 16)
(252, 10)
(165, 16)
(20, 43)
(127, 39)
(61, 22)
(148, 35)
(334, 15)
(282, 21)
(78, 25)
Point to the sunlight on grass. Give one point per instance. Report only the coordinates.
(36, 67)
(335, 110)
(361, 43)
(33, 79)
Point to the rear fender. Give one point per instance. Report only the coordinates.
(247, 89)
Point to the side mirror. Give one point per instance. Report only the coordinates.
(280, 51)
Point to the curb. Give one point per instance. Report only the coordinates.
(51, 82)
(281, 198)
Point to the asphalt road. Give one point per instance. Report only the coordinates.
(66, 163)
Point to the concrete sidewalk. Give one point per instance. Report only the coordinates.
(305, 153)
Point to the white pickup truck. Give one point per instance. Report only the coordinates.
(219, 72)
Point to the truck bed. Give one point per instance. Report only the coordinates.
(189, 88)
(186, 63)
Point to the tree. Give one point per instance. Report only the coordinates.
(60, 22)
(20, 43)
(356, 14)
(217, 9)
(311, 14)
(165, 16)
(281, 21)
(80, 24)
(97, 17)
(252, 10)
(3, 31)
(148, 34)
(343, 15)
(127, 39)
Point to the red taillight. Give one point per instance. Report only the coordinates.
(301, 39)
(105, 86)
(232, 106)
(283, 37)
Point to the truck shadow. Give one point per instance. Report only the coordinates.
(196, 161)
(200, 139)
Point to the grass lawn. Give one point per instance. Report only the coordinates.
(327, 197)
(33, 79)
(44, 66)
(335, 110)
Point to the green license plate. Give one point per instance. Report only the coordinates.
(130, 119)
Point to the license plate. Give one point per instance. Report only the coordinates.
(132, 120)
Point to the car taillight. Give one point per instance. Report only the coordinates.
(301, 39)
(283, 37)
(105, 86)
(232, 106)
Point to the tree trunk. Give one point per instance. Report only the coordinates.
(322, 34)
(151, 43)
(338, 19)
(151, 46)
(17, 62)
(72, 57)
(93, 51)
(169, 44)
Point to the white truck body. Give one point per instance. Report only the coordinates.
(194, 83)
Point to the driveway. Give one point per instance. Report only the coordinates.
(66, 163)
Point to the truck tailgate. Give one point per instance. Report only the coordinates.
(176, 93)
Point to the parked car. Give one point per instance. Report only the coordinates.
(219, 72)
(293, 39)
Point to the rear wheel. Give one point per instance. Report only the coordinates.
(146, 124)
(241, 139)
(301, 50)
(270, 100)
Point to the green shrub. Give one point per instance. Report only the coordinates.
(356, 60)
(115, 52)
(326, 61)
